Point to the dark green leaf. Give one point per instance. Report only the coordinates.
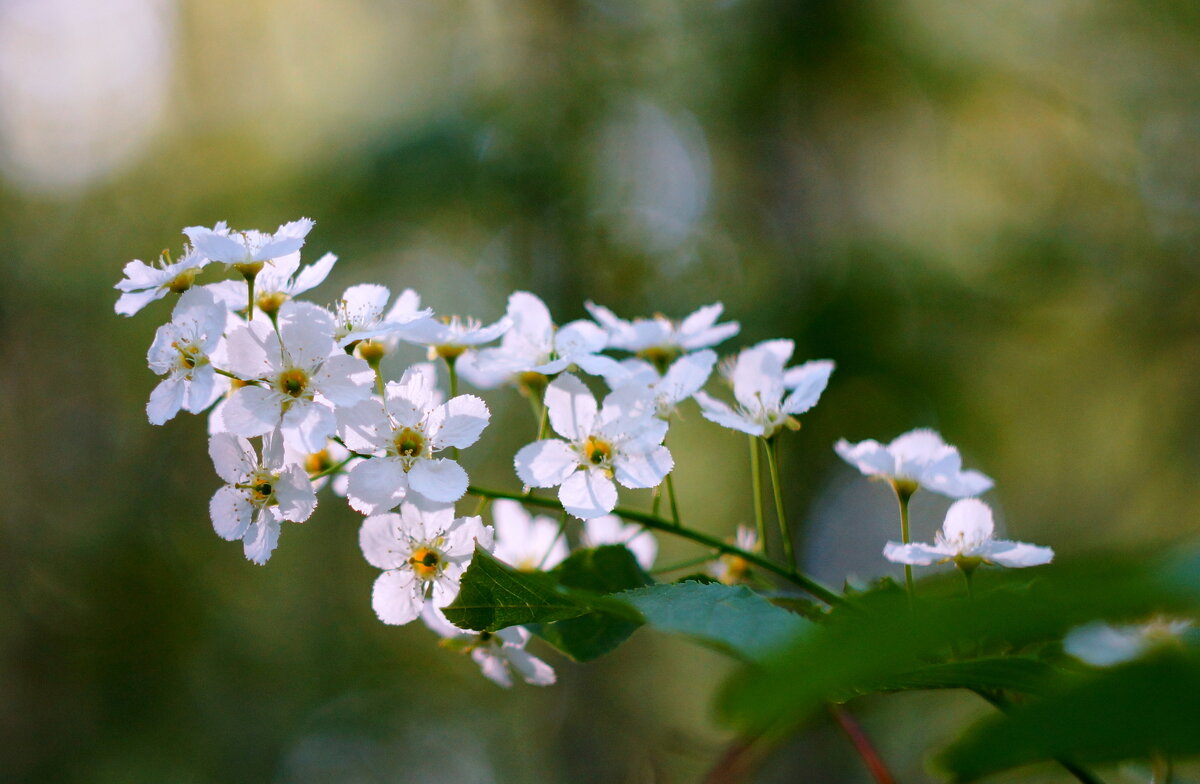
(494, 596)
(1028, 676)
(1131, 711)
(881, 635)
(603, 570)
(733, 619)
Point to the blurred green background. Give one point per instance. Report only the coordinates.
(986, 213)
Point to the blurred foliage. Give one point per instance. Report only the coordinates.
(985, 212)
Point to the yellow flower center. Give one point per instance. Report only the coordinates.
(262, 490)
(270, 302)
(183, 281)
(597, 451)
(371, 350)
(293, 382)
(409, 443)
(426, 562)
(189, 355)
(317, 462)
(659, 356)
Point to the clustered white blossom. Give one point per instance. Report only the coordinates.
(296, 399)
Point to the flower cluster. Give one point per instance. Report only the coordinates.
(295, 397)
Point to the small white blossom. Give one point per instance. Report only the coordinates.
(300, 377)
(260, 494)
(683, 379)
(276, 283)
(143, 283)
(404, 432)
(966, 539)
(320, 461)
(525, 542)
(623, 440)
(659, 339)
(732, 569)
(534, 345)
(918, 458)
(248, 247)
(498, 654)
(362, 313)
(760, 387)
(423, 553)
(449, 337)
(608, 529)
(181, 351)
(1102, 645)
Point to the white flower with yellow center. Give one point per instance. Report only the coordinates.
(276, 283)
(526, 542)
(1102, 645)
(297, 377)
(362, 314)
(449, 337)
(498, 654)
(622, 441)
(248, 248)
(659, 339)
(143, 283)
(761, 385)
(608, 529)
(181, 351)
(423, 553)
(258, 497)
(405, 431)
(917, 459)
(966, 540)
(534, 348)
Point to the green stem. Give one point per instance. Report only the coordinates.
(756, 480)
(789, 573)
(902, 497)
(453, 393)
(674, 504)
(675, 567)
(777, 489)
(333, 469)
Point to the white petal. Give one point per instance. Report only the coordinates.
(702, 319)
(493, 667)
(533, 670)
(513, 523)
(462, 536)
(364, 427)
(809, 382)
(216, 247)
(232, 457)
(644, 547)
(458, 422)
(251, 411)
(758, 379)
(307, 333)
(711, 336)
(397, 597)
(529, 314)
(588, 493)
(870, 457)
(376, 485)
(720, 413)
(295, 495)
(231, 512)
(261, 538)
(1015, 554)
(382, 544)
(960, 484)
(313, 275)
(915, 554)
(344, 379)
(308, 424)
(918, 446)
(165, 401)
(643, 469)
(252, 350)
(545, 463)
(969, 520)
(440, 480)
(571, 406)
(131, 302)
(687, 375)
(203, 390)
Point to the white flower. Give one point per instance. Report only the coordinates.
(423, 553)
(525, 542)
(498, 654)
(260, 494)
(276, 283)
(659, 339)
(248, 247)
(449, 337)
(143, 283)
(919, 458)
(622, 441)
(966, 539)
(181, 351)
(732, 569)
(683, 379)
(608, 529)
(534, 345)
(362, 314)
(405, 431)
(1102, 645)
(320, 461)
(760, 387)
(301, 376)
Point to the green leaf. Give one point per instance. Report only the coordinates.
(1015, 673)
(1143, 707)
(494, 596)
(602, 570)
(732, 619)
(881, 635)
